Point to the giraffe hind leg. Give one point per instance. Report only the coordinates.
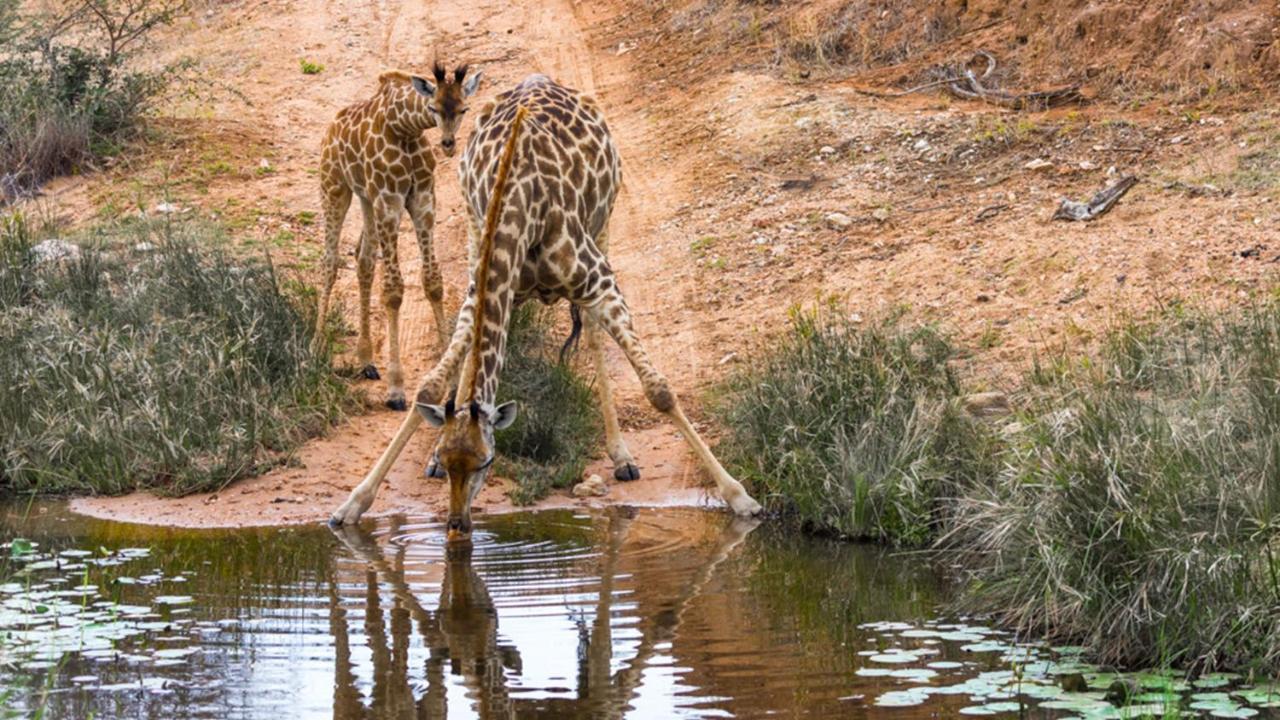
(336, 203)
(611, 312)
(624, 465)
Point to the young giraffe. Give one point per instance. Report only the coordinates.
(544, 238)
(375, 151)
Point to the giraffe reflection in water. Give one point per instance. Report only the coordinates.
(442, 608)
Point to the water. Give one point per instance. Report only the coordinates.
(635, 613)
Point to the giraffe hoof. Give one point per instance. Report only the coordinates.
(396, 404)
(370, 372)
(626, 472)
(435, 471)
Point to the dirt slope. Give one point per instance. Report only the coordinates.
(256, 49)
(750, 188)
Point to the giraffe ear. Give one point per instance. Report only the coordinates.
(470, 85)
(423, 86)
(433, 414)
(504, 415)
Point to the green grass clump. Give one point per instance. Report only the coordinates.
(1139, 504)
(149, 361)
(852, 428)
(310, 68)
(557, 422)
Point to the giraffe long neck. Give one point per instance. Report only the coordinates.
(492, 298)
(406, 110)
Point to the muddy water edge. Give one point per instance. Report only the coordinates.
(647, 613)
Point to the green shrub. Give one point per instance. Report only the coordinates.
(557, 423)
(310, 68)
(1139, 504)
(68, 89)
(145, 360)
(852, 428)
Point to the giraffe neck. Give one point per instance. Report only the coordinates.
(405, 110)
(493, 289)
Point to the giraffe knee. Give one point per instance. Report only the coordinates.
(435, 289)
(660, 396)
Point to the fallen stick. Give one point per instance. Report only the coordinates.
(1098, 205)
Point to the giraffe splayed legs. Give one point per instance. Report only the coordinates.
(543, 237)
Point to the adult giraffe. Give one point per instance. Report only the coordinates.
(375, 151)
(544, 236)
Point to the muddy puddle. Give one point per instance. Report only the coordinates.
(651, 613)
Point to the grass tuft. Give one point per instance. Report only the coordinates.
(144, 360)
(852, 428)
(1139, 504)
(557, 424)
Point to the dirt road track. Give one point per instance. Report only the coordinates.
(257, 53)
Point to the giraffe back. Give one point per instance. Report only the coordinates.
(565, 179)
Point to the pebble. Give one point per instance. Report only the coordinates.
(838, 220)
(592, 486)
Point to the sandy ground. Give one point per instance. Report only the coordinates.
(747, 193)
(256, 48)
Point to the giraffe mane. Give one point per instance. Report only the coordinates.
(467, 392)
(393, 76)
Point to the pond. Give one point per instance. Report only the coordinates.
(649, 613)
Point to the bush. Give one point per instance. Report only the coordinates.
(852, 429)
(67, 90)
(144, 361)
(1139, 505)
(557, 424)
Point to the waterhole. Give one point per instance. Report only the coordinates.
(650, 613)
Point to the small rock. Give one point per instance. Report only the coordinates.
(264, 164)
(593, 486)
(987, 404)
(1086, 165)
(922, 145)
(166, 208)
(728, 358)
(1121, 691)
(983, 297)
(1038, 164)
(1177, 140)
(880, 214)
(144, 247)
(838, 220)
(54, 250)
(826, 151)
(1073, 682)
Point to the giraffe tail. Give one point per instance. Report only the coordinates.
(571, 343)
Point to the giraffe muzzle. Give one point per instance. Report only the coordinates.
(459, 529)
(448, 145)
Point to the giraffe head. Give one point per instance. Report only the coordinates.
(446, 100)
(466, 452)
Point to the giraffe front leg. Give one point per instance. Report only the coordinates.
(365, 257)
(423, 213)
(624, 465)
(611, 312)
(430, 392)
(387, 223)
